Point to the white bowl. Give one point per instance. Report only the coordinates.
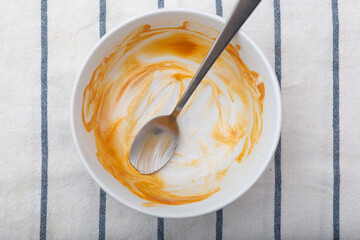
(252, 167)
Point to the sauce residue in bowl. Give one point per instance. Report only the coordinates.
(143, 78)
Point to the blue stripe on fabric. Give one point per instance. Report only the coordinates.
(161, 4)
(219, 224)
(219, 8)
(336, 122)
(44, 120)
(102, 18)
(160, 229)
(277, 200)
(102, 215)
(102, 204)
(277, 162)
(219, 213)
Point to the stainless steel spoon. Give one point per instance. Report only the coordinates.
(155, 143)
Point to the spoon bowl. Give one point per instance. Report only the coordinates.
(157, 141)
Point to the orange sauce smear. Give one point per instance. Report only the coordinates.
(125, 73)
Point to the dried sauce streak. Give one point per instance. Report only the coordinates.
(145, 77)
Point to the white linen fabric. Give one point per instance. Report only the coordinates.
(310, 190)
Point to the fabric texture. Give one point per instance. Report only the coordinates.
(309, 191)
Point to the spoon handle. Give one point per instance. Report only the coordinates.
(240, 14)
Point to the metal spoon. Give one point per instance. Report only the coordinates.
(155, 143)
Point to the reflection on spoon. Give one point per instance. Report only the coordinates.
(157, 140)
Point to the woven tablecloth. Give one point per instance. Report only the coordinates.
(310, 190)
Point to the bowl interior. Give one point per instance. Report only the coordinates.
(234, 185)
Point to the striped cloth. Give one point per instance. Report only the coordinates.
(309, 191)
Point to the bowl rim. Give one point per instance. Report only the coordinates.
(201, 211)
